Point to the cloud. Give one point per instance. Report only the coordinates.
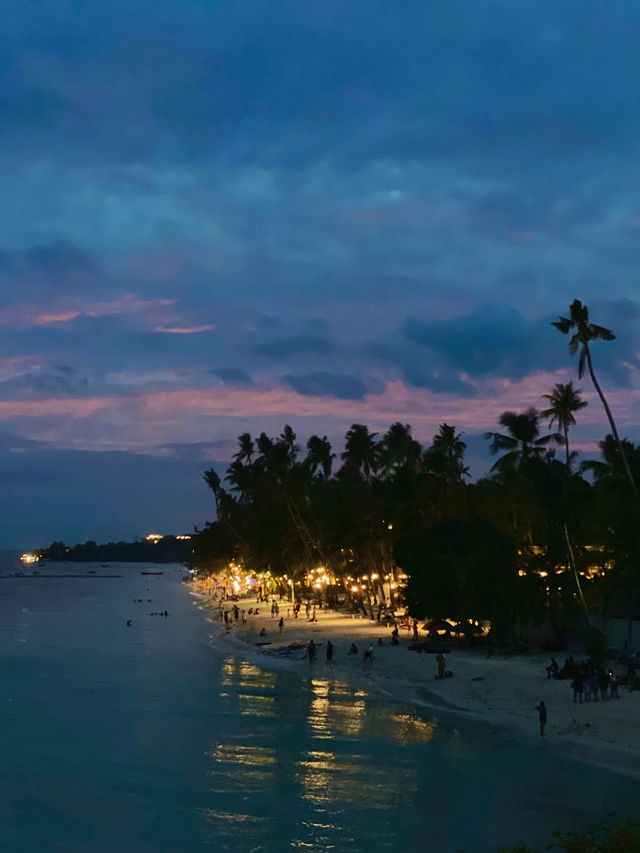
(288, 347)
(232, 376)
(184, 330)
(488, 342)
(338, 385)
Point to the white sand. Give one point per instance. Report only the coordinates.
(504, 690)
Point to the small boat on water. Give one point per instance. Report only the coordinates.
(151, 573)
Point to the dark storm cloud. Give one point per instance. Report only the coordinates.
(320, 384)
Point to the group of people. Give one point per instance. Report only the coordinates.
(589, 681)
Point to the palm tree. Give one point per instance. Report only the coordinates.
(361, 451)
(523, 440)
(611, 467)
(398, 448)
(245, 450)
(445, 457)
(319, 456)
(564, 402)
(583, 333)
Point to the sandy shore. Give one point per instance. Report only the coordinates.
(502, 690)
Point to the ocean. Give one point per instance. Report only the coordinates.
(154, 738)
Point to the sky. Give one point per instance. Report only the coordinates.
(225, 216)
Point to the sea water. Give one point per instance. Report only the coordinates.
(156, 737)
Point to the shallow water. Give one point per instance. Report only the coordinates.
(154, 738)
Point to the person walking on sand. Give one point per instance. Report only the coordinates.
(281, 624)
(367, 657)
(542, 716)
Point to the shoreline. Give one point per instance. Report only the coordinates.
(502, 691)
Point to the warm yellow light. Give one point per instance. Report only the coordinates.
(154, 537)
(28, 557)
(374, 577)
(354, 589)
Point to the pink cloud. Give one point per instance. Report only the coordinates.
(184, 330)
(28, 316)
(60, 317)
(183, 416)
(72, 407)
(129, 303)
(10, 368)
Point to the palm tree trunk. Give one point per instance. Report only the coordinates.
(576, 575)
(566, 442)
(611, 421)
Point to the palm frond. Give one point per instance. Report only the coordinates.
(600, 333)
(564, 325)
(581, 363)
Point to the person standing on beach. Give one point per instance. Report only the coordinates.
(281, 624)
(542, 716)
(329, 651)
(442, 663)
(311, 651)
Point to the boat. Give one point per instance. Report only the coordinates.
(151, 573)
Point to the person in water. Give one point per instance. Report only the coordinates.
(311, 651)
(542, 715)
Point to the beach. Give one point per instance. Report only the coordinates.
(504, 690)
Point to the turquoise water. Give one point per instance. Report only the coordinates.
(152, 738)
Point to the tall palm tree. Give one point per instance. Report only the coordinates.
(523, 440)
(564, 401)
(583, 333)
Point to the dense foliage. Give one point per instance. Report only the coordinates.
(165, 550)
(395, 518)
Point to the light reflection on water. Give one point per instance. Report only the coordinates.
(323, 787)
(335, 709)
(316, 765)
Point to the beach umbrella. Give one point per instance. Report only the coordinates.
(436, 625)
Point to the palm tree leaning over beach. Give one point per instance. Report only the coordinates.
(564, 401)
(584, 332)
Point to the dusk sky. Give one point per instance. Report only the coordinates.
(223, 217)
